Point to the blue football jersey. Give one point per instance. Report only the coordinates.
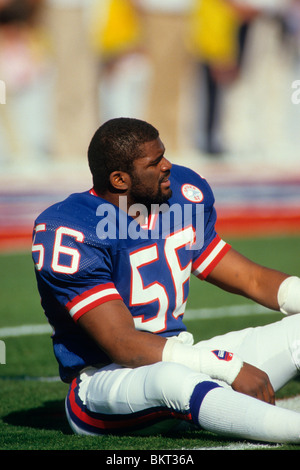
(87, 252)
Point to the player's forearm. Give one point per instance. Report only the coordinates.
(237, 274)
(264, 287)
(111, 326)
(136, 349)
(278, 291)
(125, 345)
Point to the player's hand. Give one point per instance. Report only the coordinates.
(254, 382)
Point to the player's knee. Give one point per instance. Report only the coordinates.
(171, 384)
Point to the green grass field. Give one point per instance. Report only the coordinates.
(32, 399)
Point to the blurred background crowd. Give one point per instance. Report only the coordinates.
(215, 77)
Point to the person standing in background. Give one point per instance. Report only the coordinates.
(164, 31)
(25, 71)
(217, 39)
(75, 89)
(123, 68)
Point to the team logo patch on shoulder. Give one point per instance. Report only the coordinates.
(223, 355)
(192, 193)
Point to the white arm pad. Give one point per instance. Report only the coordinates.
(289, 295)
(220, 365)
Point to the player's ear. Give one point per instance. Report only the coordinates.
(119, 180)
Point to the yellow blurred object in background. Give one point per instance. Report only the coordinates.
(213, 29)
(114, 27)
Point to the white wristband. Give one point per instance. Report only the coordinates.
(220, 365)
(289, 296)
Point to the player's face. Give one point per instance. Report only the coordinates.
(150, 182)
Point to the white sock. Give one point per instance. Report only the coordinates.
(233, 414)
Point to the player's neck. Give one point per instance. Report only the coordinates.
(124, 202)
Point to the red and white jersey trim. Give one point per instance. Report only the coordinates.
(93, 192)
(91, 299)
(210, 257)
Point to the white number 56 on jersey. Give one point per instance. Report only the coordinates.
(73, 255)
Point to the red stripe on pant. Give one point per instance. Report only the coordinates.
(99, 423)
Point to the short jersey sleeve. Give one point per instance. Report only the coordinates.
(214, 248)
(210, 257)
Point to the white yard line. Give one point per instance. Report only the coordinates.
(24, 330)
(228, 311)
(191, 314)
(241, 446)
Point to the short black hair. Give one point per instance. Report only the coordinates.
(115, 146)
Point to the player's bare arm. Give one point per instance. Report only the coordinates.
(112, 327)
(237, 274)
